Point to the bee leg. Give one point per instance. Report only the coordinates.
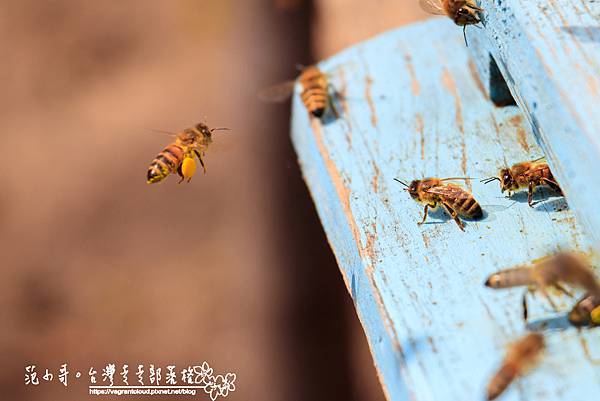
(465, 35)
(530, 195)
(331, 97)
(199, 155)
(333, 108)
(545, 294)
(180, 173)
(454, 215)
(524, 303)
(424, 214)
(553, 184)
(562, 289)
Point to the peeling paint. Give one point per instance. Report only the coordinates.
(368, 84)
(344, 197)
(421, 130)
(375, 178)
(450, 85)
(416, 89)
(517, 122)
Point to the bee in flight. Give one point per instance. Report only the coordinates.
(179, 156)
(586, 311)
(521, 356)
(462, 12)
(549, 271)
(454, 199)
(526, 175)
(317, 94)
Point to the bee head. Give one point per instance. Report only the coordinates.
(413, 188)
(466, 16)
(507, 180)
(203, 129)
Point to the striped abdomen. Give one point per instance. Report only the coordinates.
(314, 91)
(466, 205)
(165, 163)
(460, 200)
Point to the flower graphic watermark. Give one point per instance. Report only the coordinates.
(192, 379)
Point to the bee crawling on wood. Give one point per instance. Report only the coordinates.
(179, 156)
(526, 175)
(586, 311)
(455, 200)
(317, 92)
(550, 271)
(521, 356)
(462, 12)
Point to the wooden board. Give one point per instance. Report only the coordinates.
(413, 107)
(549, 53)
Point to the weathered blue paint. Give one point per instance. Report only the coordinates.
(549, 51)
(412, 107)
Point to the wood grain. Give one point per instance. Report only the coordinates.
(549, 54)
(412, 108)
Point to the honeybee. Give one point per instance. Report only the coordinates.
(454, 199)
(179, 156)
(462, 12)
(586, 311)
(549, 271)
(526, 175)
(317, 93)
(521, 356)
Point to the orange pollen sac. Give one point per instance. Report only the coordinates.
(188, 167)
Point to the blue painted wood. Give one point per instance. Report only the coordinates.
(412, 107)
(549, 53)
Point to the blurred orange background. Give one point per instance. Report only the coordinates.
(233, 268)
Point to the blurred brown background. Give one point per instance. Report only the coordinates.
(98, 267)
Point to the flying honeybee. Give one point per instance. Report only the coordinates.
(455, 200)
(317, 93)
(526, 175)
(586, 311)
(549, 271)
(521, 356)
(179, 156)
(462, 12)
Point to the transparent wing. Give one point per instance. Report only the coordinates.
(457, 178)
(277, 93)
(449, 192)
(432, 6)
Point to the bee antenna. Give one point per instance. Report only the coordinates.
(490, 179)
(401, 182)
(220, 129)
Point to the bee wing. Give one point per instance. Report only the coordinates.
(448, 192)
(277, 93)
(432, 6)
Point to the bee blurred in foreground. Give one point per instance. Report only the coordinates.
(521, 356)
(526, 175)
(316, 94)
(566, 267)
(454, 199)
(179, 156)
(586, 311)
(462, 12)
